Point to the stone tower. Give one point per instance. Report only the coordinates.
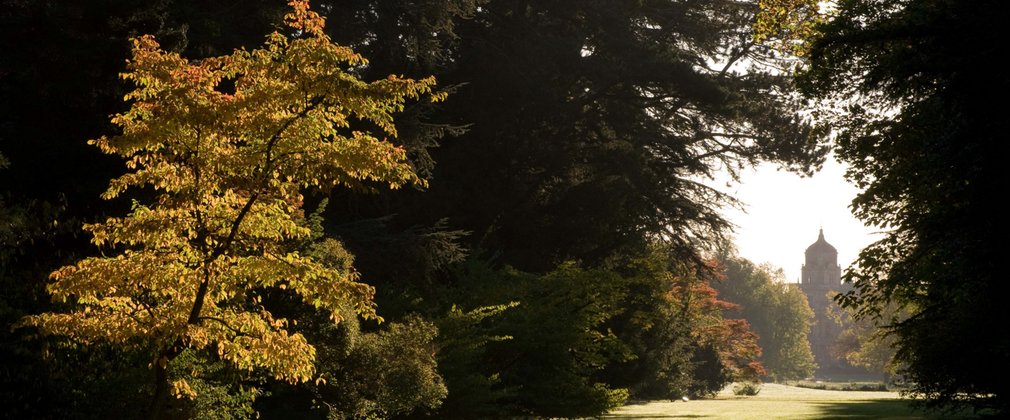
(822, 275)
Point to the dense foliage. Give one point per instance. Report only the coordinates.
(778, 313)
(548, 259)
(916, 119)
(577, 341)
(862, 343)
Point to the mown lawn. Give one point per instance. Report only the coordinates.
(782, 402)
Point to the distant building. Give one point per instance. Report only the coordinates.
(823, 276)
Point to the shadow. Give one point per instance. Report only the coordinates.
(879, 409)
(655, 416)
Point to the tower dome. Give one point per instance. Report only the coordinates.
(821, 246)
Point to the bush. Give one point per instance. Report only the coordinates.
(811, 385)
(746, 388)
(877, 386)
(851, 386)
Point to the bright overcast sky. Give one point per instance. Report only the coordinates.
(783, 212)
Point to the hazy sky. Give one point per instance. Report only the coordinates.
(784, 212)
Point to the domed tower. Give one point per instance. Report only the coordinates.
(822, 277)
(821, 266)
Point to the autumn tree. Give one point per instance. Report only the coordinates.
(226, 144)
(726, 349)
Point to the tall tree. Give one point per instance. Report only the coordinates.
(589, 122)
(226, 144)
(56, 90)
(916, 122)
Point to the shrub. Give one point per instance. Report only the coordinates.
(746, 388)
(878, 386)
(811, 385)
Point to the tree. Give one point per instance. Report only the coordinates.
(673, 323)
(915, 119)
(589, 122)
(863, 343)
(225, 145)
(543, 342)
(726, 350)
(384, 374)
(367, 371)
(778, 313)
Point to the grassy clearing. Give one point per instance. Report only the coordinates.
(781, 402)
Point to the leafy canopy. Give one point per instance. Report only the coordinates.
(914, 120)
(226, 144)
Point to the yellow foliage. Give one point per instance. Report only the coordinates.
(228, 167)
(787, 25)
(181, 389)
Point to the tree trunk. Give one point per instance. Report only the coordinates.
(160, 398)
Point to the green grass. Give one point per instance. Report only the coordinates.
(781, 402)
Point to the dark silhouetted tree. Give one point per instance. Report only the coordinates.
(590, 121)
(919, 122)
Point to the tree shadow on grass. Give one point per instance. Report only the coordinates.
(878, 409)
(657, 416)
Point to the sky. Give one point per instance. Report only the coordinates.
(784, 212)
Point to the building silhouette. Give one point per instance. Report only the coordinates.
(821, 278)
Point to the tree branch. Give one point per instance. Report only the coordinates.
(222, 322)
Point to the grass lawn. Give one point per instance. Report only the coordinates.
(781, 402)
